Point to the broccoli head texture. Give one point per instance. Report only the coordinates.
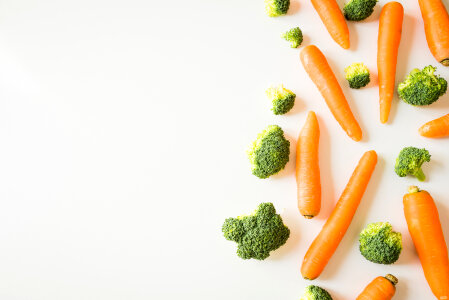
(313, 292)
(409, 162)
(380, 244)
(358, 10)
(422, 87)
(357, 75)
(276, 8)
(257, 234)
(294, 36)
(282, 100)
(269, 153)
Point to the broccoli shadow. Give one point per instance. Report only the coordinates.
(374, 80)
(294, 8)
(297, 108)
(428, 168)
(290, 219)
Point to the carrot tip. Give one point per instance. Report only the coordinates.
(445, 62)
(392, 279)
(413, 189)
(308, 216)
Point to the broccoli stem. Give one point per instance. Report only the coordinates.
(420, 175)
(413, 189)
(445, 62)
(392, 279)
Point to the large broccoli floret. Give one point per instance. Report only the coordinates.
(294, 36)
(276, 8)
(409, 162)
(313, 292)
(422, 87)
(357, 75)
(257, 234)
(282, 99)
(358, 10)
(380, 244)
(269, 153)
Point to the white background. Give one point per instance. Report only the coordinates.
(123, 128)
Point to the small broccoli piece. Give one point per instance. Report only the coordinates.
(282, 99)
(313, 292)
(358, 10)
(357, 75)
(422, 87)
(409, 162)
(269, 153)
(257, 234)
(380, 244)
(276, 8)
(294, 36)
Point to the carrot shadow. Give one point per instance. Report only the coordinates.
(353, 36)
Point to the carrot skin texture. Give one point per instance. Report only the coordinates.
(330, 236)
(390, 31)
(436, 128)
(378, 289)
(319, 71)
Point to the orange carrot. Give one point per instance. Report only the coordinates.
(390, 29)
(308, 169)
(436, 26)
(381, 288)
(333, 19)
(327, 241)
(436, 128)
(320, 72)
(424, 226)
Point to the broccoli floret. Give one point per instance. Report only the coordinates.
(294, 36)
(380, 244)
(257, 234)
(358, 10)
(409, 162)
(313, 292)
(276, 8)
(357, 75)
(269, 153)
(282, 99)
(422, 87)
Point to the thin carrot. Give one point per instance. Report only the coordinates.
(390, 30)
(320, 72)
(424, 226)
(308, 169)
(436, 128)
(327, 241)
(333, 19)
(381, 288)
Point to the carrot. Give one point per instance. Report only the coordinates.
(436, 128)
(436, 26)
(390, 28)
(327, 241)
(424, 226)
(381, 288)
(308, 169)
(333, 19)
(320, 72)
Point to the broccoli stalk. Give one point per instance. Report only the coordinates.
(294, 36)
(357, 75)
(276, 8)
(358, 10)
(380, 244)
(313, 292)
(409, 162)
(282, 99)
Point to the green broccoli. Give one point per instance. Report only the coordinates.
(276, 8)
(409, 162)
(357, 75)
(257, 234)
(358, 10)
(313, 292)
(380, 244)
(282, 99)
(269, 153)
(422, 87)
(294, 36)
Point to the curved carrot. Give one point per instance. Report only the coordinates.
(424, 226)
(436, 26)
(320, 72)
(436, 128)
(390, 28)
(381, 288)
(333, 19)
(308, 169)
(327, 241)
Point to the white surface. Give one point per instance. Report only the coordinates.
(123, 128)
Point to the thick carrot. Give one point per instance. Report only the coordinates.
(424, 226)
(320, 72)
(381, 288)
(390, 29)
(308, 169)
(436, 128)
(327, 241)
(333, 19)
(436, 26)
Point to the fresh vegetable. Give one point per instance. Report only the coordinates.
(282, 100)
(409, 162)
(313, 292)
(257, 234)
(422, 87)
(424, 226)
(390, 28)
(327, 241)
(436, 128)
(358, 10)
(381, 288)
(357, 75)
(308, 169)
(380, 244)
(319, 71)
(269, 153)
(294, 36)
(276, 8)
